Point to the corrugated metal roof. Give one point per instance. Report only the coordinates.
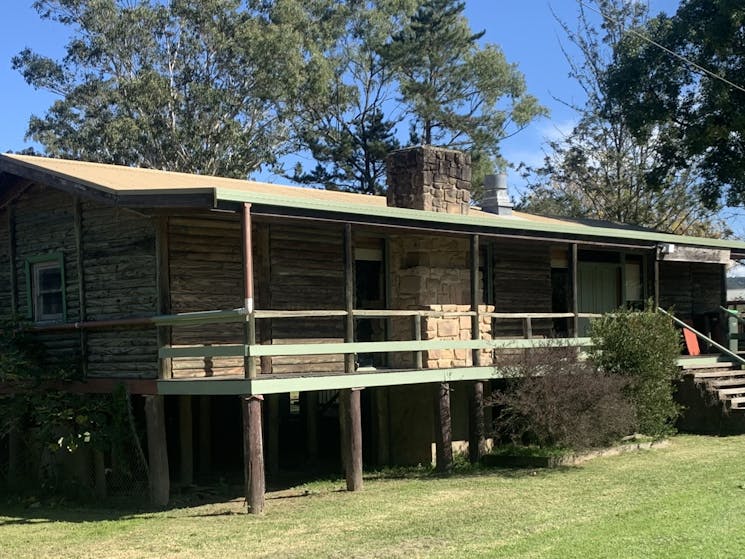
(128, 181)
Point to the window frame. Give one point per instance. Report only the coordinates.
(33, 265)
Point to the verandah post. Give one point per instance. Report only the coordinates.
(573, 266)
(443, 429)
(476, 439)
(253, 446)
(186, 439)
(350, 408)
(253, 457)
(160, 484)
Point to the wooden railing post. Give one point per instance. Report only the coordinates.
(418, 365)
(733, 333)
(528, 328)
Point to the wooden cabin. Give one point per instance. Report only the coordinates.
(209, 293)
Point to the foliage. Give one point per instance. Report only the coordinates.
(350, 137)
(51, 420)
(459, 94)
(22, 359)
(642, 347)
(554, 400)
(600, 169)
(206, 86)
(696, 115)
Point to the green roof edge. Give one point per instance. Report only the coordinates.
(496, 222)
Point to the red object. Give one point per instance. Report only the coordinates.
(691, 342)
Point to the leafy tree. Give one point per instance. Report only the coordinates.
(600, 169)
(458, 94)
(202, 86)
(350, 137)
(697, 115)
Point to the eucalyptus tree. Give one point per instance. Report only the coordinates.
(201, 86)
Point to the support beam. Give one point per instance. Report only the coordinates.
(272, 431)
(14, 457)
(352, 443)
(160, 483)
(311, 425)
(443, 430)
(99, 474)
(253, 454)
(656, 280)
(249, 362)
(349, 408)
(574, 275)
(476, 439)
(382, 425)
(204, 434)
(186, 440)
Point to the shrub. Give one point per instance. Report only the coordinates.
(552, 399)
(642, 347)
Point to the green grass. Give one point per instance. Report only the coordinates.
(685, 500)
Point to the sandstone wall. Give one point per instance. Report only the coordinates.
(454, 328)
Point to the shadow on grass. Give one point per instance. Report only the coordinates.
(290, 485)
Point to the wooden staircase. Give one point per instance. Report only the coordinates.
(720, 378)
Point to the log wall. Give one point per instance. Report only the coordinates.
(303, 270)
(306, 272)
(206, 273)
(44, 225)
(118, 263)
(119, 268)
(522, 283)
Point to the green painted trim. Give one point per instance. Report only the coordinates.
(277, 350)
(492, 222)
(57, 257)
(280, 385)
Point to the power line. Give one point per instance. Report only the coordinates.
(664, 48)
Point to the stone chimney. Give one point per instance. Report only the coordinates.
(429, 178)
(496, 198)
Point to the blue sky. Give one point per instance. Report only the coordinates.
(525, 29)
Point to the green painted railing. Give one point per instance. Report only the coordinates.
(335, 348)
(347, 348)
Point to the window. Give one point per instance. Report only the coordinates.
(46, 288)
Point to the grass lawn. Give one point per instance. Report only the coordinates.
(685, 500)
